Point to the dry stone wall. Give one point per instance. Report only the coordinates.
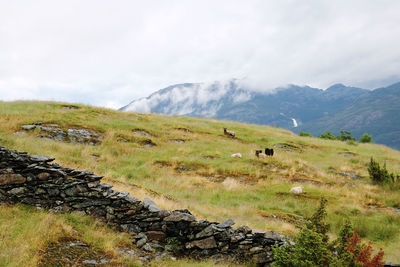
(34, 180)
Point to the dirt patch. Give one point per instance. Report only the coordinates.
(147, 143)
(210, 157)
(177, 141)
(303, 195)
(308, 180)
(351, 175)
(69, 251)
(183, 130)
(288, 147)
(347, 154)
(241, 178)
(189, 166)
(285, 217)
(70, 107)
(141, 132)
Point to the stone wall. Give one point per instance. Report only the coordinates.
(34, 180)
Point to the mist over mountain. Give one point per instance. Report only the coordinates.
(297, 108)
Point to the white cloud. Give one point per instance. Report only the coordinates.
(97, 51)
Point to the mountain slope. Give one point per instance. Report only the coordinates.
(297, 108)
(375, 112)
(183, 162)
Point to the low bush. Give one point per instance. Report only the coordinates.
(380, 175)
(312, 246)
(366, 138)
(305, 134)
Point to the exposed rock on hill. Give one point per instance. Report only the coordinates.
(72, 135)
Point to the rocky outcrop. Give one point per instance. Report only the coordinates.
(34, 180)
(55, 132)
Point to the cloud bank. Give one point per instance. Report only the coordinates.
(108, 53)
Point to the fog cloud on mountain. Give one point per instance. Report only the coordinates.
(108, 53)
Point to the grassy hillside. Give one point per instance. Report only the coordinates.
(190, 166)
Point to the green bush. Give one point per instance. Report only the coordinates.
(366, 138)
(327, 135)
(380, 175)
(345, 136)
(305, 134)
(312, 247)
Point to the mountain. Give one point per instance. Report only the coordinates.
(297, 108)
(179, 163)
(376, 112)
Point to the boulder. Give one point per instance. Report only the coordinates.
(179, 216)
(202, 244)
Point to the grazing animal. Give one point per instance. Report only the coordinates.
(269, 152)
(259, 154)
(297, 190)
(230, 133)
(237, 155)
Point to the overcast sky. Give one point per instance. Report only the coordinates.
(108, 53)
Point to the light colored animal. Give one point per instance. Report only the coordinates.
(237, 155)
(259, 154)
(230, 133)
(297, 190)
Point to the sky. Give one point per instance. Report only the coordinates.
(108, 53)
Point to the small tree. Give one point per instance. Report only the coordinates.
(366, 138)
(305, 134)
(312, 247)
(380, 175)
(345, 136)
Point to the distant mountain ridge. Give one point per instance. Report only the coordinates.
(297, 108)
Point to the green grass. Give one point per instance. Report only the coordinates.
(201, 175)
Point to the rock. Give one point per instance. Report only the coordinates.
(20, 133)
(43, 176)
(150, 205)
(208, 231)
(226, 224)
(94, 262)
(202, 244)
(164, 213)
(179, 216)
(256, 249)
(37, 158)
(11, 178)
(17, 191)
(262, 257)
(156, 235)
(272, 235)
(147, 248)
(351, 175)
(28, 127)
(238, 237)
(141, 242)
(244, 229)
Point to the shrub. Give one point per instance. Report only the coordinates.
(345, 136)
(327, 135)
(361, 252)
(312, 247)
(305, 134)
(366, 138)
(380, 175)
